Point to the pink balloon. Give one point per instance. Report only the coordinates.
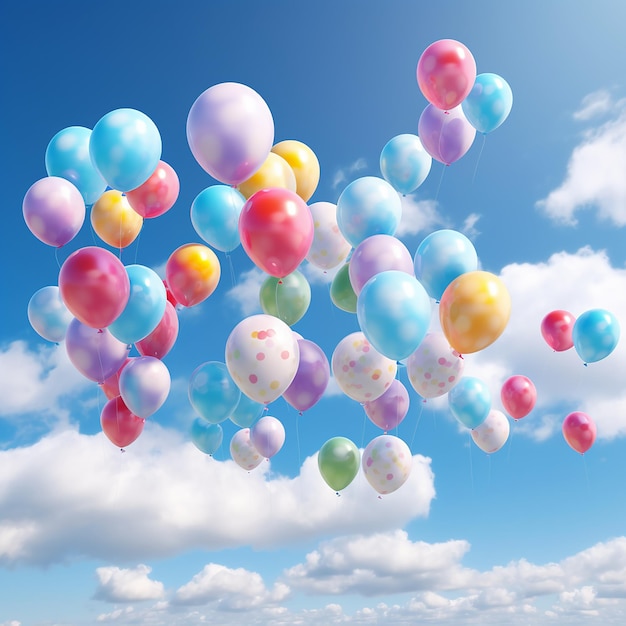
(311, 377)
(518, 395)
(161, 340)
(158, 194)
(119, 424)
(579, 431)
(556, 329)
(388, 410)
(268, 436)
(445, 135)
(446, 72)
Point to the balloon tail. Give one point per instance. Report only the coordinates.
(478, 159)
(122, 451)
(585, 364)
(338, 494)
(380, 497)
(439, 185)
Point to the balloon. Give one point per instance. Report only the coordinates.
(158, 194)
(119, 424)
(388, 410)
(230, 132)
(212, 392)
(67, 156)
(161, 340)
(518, 395)
(206, 437)
(48, 314)
(144, 385)
(125, 147)
(114, 220)
(94, 286)
(262, 356)
(276, 230)
(394, 312)
(377, 254)
(341, 290)
(287, 298)
(303, 163)
(445, 135)
(192, 273)
(268, 436)
(368, 206)
(493, 433)
(311, 379)
(111, 385)
(274, 172)
(579, 431)
(246, 412)
(435, 367)
(470, 401)
(329, 247)
(404, 163)
(488, 103)
(474, 311)
(243, 451)
(386, 463)
(338, 461)
(53, 210)
(215, 216)
(361, 372)
(446, 72)
(556, 329)
(596, 334)
(145, 307)
(96, 354)
(441, 257)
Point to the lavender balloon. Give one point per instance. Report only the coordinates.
(388, 410)
(445, 135)
(144, 385)
(311, 377)
(268, 436)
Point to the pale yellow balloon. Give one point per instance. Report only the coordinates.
(275, 172)
(114, 220)
(304, 164)
(474, 311)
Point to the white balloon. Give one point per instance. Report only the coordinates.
(493, 433)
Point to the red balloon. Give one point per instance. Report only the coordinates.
(94, 286)
(120, 425)
(160, 341)
(579, 431)
(518, 395)
(556, 329)
(170, 295)
(158, 194)
(276, 230)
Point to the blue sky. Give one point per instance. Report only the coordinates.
(533, 534)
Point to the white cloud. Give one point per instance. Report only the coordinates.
(469, 226)
(116, 615)
(127, 585)
(595, 104)
(245, 294)
(419, 216)
(345, 175)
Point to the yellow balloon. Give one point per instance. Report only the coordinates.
(275, 172)
(114, 220)
(304, 164)
(474, 311)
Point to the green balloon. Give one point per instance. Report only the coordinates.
(286, 298)
(338, 461)
(341, 291)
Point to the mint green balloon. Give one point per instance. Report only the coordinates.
(286, 298)
(338, 462)
(341, 292)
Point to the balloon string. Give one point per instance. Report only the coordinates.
(233, 277)
(439, 185)
(482, 147)
(56, 256)
(298, 439)
(471, 466)
(586, 474)
(137, 245)
(417, 422)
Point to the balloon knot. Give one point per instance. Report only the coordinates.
(300, 413)
(446, 112)
(380, 497)
(100, 330)
(122, 450)
(585, 364)
(280, 281)
(338, 494)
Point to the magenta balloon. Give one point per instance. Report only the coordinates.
(388, 410)
(311, 377)
(445, 135)
(161, 340)
(268, 436)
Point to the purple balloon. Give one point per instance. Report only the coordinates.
(311, 377)
(388, 410)
(95, 353)
(445, 135)
(268, 436)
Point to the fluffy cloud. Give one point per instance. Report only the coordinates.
(419, 216)
(245, 294)
(346, 174)
(127, 585)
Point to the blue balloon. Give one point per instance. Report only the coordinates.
(470, 401)
(145, 307)
(206, 437)
(394, 311)
(48, 314)
(441, 257)
(67, 156)
(489, 103)
(368, 206)
(404, 163)
(125, 147)
(212, 392)
(215, 216)
(595, 334)
(246, 412)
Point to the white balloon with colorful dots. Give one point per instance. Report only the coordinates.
(243, 452)
(387, 463)
(329, 247)
(493, 433)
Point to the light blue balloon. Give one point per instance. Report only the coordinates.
(394, 311)
(441, 257)
(145, 307)
(67, 156)
(212, 392)
(48, 314)
(125, 147)
(596, 333)
(215, 216)
(246, 412)
(368, 206)
(470, 401)
(489, 103)
(404, 163)
(206, 437)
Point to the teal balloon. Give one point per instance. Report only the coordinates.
(404, 163)
(488, 103)
(338, 462)
(206, 437)
(286, 298)
(212, 392)
(596, 334)
(48, 314)
(470, 401)
(246, 412)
